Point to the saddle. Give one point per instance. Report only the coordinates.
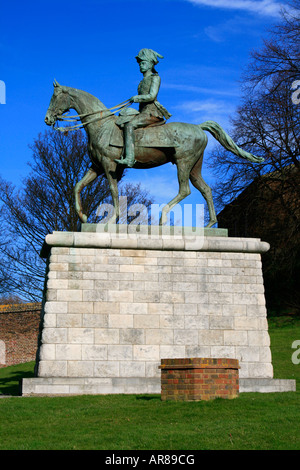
(158, 135)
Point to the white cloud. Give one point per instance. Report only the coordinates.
(236, 25)
(261, 7)
(202, 90)
(211, 109)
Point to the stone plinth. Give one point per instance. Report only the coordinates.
(117, 303)
(198, 379)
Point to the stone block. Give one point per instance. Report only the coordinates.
(222, 351)
(95, 320)
(171, 321)
(53, 368)
(69, 295)
(186, 337)
(221, 323)
(68, 352)
(247, 354)
(172, 351)
(107, 335)
(94, 352)
(81, 335)
(146, 321)
(47, 352)
(54, 335)
(196, 322)
(50, 320)
(119, 296)
(120, 321)
(138, 308)
(258, 338)
(106, 368)
(142, 352)
(80, 368)
(235, 338)
(72, 320)
(95, 295)
(80, 307)
(211, 338)
(132, 336)
(132, 369)
(105, 308)
(119, 352)
(157, 336)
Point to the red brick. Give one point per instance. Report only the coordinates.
(200, 378)
(19, 329)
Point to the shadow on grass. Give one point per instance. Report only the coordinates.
(10, 385)
(148, 397)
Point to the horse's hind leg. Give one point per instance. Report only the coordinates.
(205, 190)
(184, 191)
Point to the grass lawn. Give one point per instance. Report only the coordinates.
(135, 422)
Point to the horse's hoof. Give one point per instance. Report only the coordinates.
(83, 218)
(211, 223)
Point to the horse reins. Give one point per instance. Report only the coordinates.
(78, 117)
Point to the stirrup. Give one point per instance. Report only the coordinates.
(125, 161)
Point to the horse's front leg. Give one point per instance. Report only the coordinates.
(110, 169)
(115, 197)
(90, 176)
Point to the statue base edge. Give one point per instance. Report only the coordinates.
(44, 386)
(154, 229)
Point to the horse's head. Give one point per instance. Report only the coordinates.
(59, 104)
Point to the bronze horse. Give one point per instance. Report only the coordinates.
(176, 142)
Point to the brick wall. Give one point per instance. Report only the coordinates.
(19, 328)
(196, 379)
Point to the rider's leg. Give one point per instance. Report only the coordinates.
(128, 146)
(129, 128)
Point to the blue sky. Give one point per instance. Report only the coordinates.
(92, 44)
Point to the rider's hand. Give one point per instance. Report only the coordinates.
(134, 99)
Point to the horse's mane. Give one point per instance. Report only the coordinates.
(90, 99)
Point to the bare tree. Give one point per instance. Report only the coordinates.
(45, 203)
(280, 54)
(267, 124)
(4, 275)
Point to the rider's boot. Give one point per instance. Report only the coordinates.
(129, 147)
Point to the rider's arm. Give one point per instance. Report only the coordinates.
(152, 95)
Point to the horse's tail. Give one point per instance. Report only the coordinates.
(220, 135)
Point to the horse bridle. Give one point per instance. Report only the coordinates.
(77, 117)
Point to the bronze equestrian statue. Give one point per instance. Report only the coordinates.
(147, 139)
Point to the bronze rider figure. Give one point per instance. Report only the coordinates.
(151, 112)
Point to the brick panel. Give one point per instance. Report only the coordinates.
(193, 379)
(19, 328)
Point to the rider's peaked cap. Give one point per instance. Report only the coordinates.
(149, 55)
